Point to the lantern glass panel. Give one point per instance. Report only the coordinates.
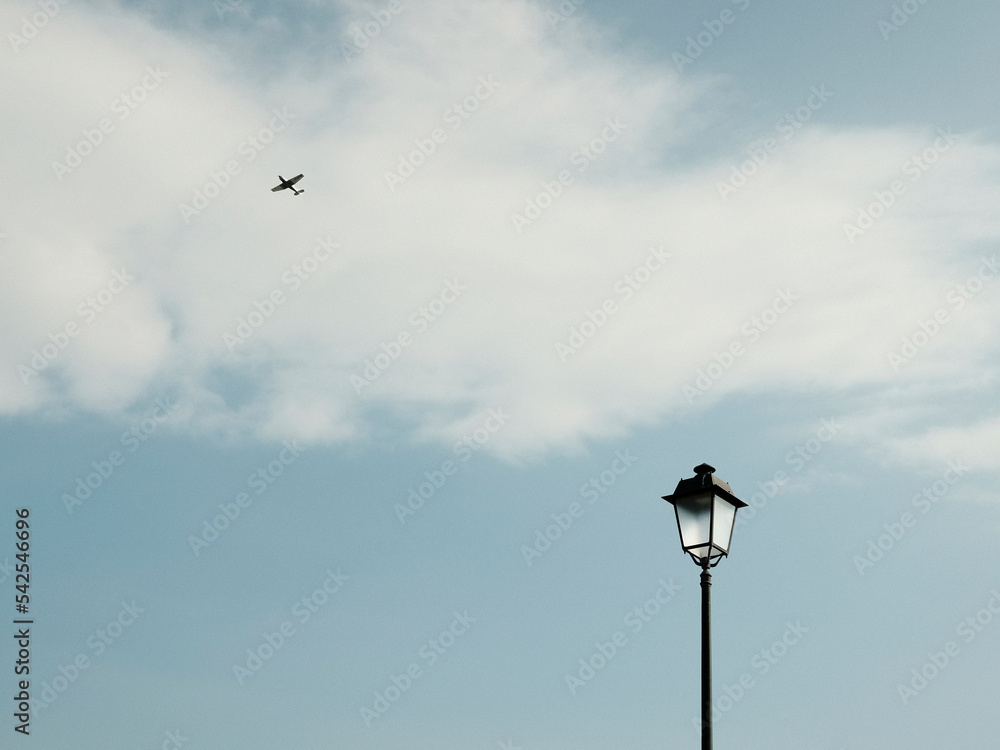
(694, 518)
(722, 523)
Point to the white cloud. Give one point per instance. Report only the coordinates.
(542, 97)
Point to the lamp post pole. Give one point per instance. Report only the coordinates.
(706, 658)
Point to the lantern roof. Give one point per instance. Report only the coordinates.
(705, 479)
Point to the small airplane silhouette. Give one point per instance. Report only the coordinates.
(288, 184)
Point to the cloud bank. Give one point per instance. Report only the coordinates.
(499, 213)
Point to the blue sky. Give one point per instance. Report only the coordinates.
(380, 465)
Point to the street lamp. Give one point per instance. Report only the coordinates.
(706, 512)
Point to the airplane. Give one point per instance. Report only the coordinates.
(288, 184)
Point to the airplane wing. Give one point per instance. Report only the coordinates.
(293, 180)
(280, 187)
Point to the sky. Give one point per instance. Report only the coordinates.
(380, 465)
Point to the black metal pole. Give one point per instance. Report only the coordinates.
(706, 659)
